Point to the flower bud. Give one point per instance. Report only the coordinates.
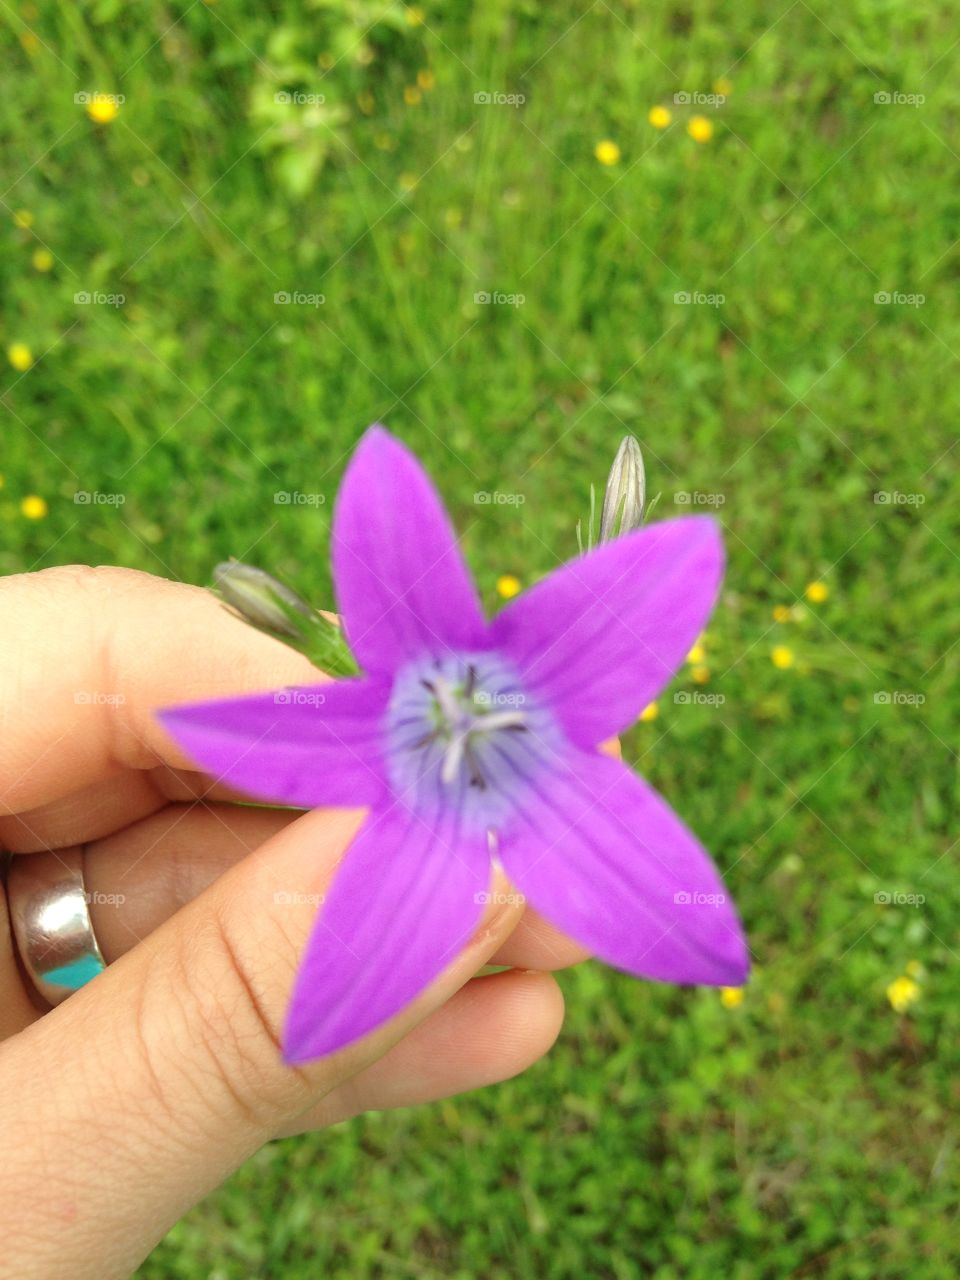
(625, 496)
(267, 604)
(259, 598)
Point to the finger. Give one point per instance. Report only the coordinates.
(18, 1006)
(537, 944)
(138, 878)
(491, 1030)
(135, 643)
(109, 805)
(81, 815)
(164, 1073)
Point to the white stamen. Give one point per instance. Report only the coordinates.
(497, 720)
(452, 757)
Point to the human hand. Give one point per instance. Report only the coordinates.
(128, 1103)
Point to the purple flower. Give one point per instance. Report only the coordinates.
(469, 739)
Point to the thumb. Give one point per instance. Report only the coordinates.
(165, 1073)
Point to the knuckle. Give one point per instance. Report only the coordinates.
(238, 1029)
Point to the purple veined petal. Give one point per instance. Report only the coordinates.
(402, 586)
(602, 856)
(601, 636)
(405, 899)
(316, 745)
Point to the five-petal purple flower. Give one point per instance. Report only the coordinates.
(468, 739)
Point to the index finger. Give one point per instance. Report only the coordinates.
(88, 654)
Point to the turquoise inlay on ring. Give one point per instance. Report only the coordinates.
(77, 974)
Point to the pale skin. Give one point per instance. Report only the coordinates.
(128, 1103)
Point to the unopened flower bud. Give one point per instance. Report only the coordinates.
(625, 496)
(259, 598)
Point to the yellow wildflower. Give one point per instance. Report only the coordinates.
(902, 993)
(607, 152)
(102, 108)
(817, 592)
(782, 613)
(508, 586)
(20, 356)
(700, 128)
(781, 656)
(23, 218)
(412, 95)
(659, 117)
(697, 653)
(650, 712)
(33, 507)
(731, 997)
(700, 675)
(42, 259)
(426, 79)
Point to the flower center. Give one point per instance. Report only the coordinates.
(464, 734)
(463, 713)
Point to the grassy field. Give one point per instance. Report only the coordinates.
(810, 1129)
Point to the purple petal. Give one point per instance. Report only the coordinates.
(402, 586)
(404, 901)
(317, 745)
(605, 859)
(601, 636)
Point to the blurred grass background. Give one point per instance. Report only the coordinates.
(806, 1128)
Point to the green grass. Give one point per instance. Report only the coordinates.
(810, 1132)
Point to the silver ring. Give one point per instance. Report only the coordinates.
(50, 913)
